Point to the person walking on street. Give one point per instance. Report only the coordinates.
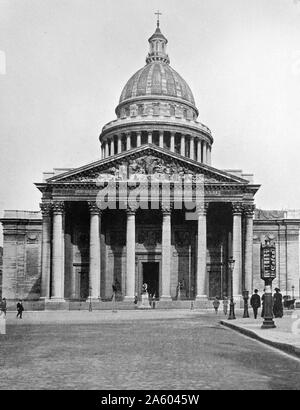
(277, 303)
(225, 305)
(216, 304)
(20, 309)
(4, 306)
(255, 302)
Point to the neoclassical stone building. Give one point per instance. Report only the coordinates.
(125, 220)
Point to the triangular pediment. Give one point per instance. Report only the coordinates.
(142, 162)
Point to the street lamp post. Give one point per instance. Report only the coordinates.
(231, 263)
(268, 273)
(246, 297)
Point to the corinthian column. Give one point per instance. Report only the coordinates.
(199, 150)
(112, 146)
(119, 143)
(57, 253)
(95, 261)
(138, 139)
(172, 141)
(128, 141)
(204, 160)
(201, 252)
(130, 255)
(161, 139)
(182, 145)
(192, 148)
(237, 247)
(248, 212)
(46, 250)
(166, 254)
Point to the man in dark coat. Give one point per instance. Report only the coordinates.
(20, 309)
(255, 302)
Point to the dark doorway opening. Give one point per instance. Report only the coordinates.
(151, 277)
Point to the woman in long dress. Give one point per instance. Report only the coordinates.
(277, 303)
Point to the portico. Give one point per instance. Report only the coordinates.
(94, 247)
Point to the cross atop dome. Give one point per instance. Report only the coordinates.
(158, 13)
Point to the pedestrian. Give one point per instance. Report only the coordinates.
(20, 309)
(277, 303)
(216, 304)
(135, 299)
(4, 306)
(255, 302)
(225, 305)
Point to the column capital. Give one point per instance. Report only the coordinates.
(249, 210)
(237, 208)
(202, 208)
(131, 209)
(166, 208)
(46, 209)
(93, 207)
(58, 207)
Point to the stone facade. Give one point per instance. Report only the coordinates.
(23, 252)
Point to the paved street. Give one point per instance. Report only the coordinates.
(188, 352)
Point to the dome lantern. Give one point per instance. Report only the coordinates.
(158, 46)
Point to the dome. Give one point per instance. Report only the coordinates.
(157, 78)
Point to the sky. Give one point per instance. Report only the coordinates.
(64, 63)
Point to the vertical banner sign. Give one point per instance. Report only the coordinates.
(268, 261)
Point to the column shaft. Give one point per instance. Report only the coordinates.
(237, 248)
(57, 253)
(208, 155)
(106, 149)
(128, 141)
(95, 261)
(112, 147)
(182, 145)
(46, 251)
(201, 254)
(172, 142)
(149, 137)
(166, 256)
(119, 144)
(130, 256)
(161, 139)
(192, 148)
(199, 150)
(204, 160)
(138, 139)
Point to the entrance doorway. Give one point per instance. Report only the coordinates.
(151, 277)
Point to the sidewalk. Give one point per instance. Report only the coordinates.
(286, 335)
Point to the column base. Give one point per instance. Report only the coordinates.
(165, 298)
(56, 299)
(128, 298)
(201, 297)
(88, 300)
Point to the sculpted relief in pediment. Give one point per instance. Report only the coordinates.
(145, 168)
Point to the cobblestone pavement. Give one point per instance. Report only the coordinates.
(190, 351)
